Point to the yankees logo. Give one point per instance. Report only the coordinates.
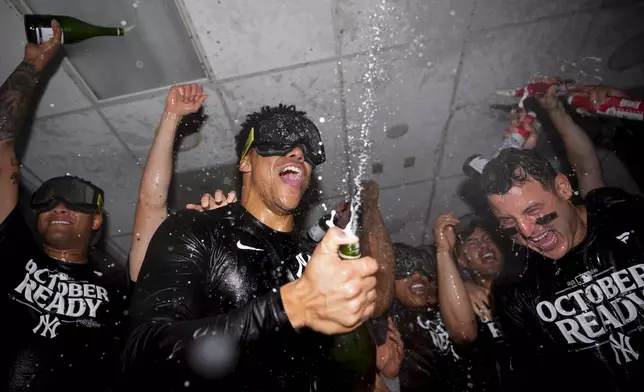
(623, 349)
(47, 326)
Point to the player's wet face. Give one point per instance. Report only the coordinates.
(540, 219)
(480, 254)
(281, 181)
(64, 229)
(416, 290)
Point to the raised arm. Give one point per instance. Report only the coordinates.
(455, 306)
(15, 95)
(152, 204)
(579, 148)
(376, 243)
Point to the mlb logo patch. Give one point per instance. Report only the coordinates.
(584, 278)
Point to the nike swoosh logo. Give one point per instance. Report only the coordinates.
(244, 247)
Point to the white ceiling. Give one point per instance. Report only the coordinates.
(443, 60)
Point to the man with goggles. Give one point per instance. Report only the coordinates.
(430, 362)
(555, 323)
(224, 301)
(62, 311)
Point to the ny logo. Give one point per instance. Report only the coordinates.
(302, 263)
(623, 347)
(49, 326)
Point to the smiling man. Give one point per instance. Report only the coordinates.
(62, 311)
(224, 301)
(576, 316)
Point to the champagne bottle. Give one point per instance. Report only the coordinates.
(355, 352)
(39, 30)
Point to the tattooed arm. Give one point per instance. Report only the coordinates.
(375, 242)
(15, 95)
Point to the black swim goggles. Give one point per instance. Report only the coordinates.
(75, 193)
(281, 133)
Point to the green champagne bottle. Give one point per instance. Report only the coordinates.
(355, 352)
(39, 30)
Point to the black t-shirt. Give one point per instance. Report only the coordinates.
(431, 362)
(576, 324)
(62, 321)
(488, 355)
(212, 280)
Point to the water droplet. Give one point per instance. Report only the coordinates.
(139, 64)
(322, 120)
(186, 384)
(123, 23)
(135, 4)
(452, 12)
(51, 105)
(320, 178)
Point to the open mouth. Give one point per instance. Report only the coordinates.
(417, 289)
(545, 242)
(488, 257)
(292, 175)
(60, 222)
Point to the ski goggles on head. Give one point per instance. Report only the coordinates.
(410, 260)
(280, 134)
(75, 193)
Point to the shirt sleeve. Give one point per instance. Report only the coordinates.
(16, 240)
(171, 309)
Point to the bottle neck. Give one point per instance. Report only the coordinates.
(111, 31)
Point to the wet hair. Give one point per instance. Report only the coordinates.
(410, 258)
(266, 113)
(468, 224)
(514, 167)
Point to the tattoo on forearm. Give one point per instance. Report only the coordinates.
(14, 97)
(15, 166)
(15, 178)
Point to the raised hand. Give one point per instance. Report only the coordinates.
(599, 94)
(40, 55)
(333, 296)
(370, 191)
(518, 119)
(210, 202)
(184, 99)
(480, 299)
(390, 355)
(444, 234)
